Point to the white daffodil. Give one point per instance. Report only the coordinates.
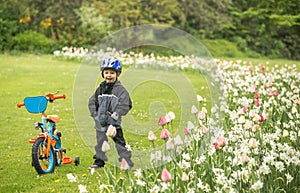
(138, 173)
(82, 188)
(289, 178)
(140, 183)
(71, 177)
(257, 185)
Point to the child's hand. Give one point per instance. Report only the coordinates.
(115, 116)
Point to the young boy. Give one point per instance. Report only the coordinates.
(109, 102)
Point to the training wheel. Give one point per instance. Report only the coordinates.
(77, 161)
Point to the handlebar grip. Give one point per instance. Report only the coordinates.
(60, 97)
(19, 105)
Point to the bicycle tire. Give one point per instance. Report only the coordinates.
(58, 157)
(40, 162)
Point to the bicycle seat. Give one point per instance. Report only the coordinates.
(53, 118)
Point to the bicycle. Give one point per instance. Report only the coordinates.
(47, 150)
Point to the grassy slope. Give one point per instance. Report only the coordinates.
(29, 75)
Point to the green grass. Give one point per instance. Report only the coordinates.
(31, 75)
(223, 48)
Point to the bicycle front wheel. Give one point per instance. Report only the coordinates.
(42, 162)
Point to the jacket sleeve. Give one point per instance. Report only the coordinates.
(93, 104)
(125, 103)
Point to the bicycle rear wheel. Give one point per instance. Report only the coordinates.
(42, 163)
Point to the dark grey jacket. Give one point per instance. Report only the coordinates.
(102, 105)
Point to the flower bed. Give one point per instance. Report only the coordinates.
(254, 149)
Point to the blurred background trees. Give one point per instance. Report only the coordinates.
(267, 27)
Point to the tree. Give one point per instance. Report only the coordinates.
(266, 25)
(129, 13)
(9, 19)
(57, 19)
(207, 18)
(93, 26)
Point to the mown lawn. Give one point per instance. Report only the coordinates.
(32, 75)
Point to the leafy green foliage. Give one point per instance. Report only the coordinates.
(268, 27)
(32, 41)
(206, 19)
(7, 28)
(8, 24)
(93, 26)
(223, 48)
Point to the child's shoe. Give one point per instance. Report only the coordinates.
(98, 164)
(95, 166)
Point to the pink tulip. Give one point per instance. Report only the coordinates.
(252, 143)
(244, 158)
(186, 131)
(245, 108)
(200, 98)
(165, 175)
(261, 118)
(220, 142)
(124, 165)
(204, 129)
(162, 121)
(271, 83)
(165, 134)
(275, 93)
(151, 136)
(253, 89)
(111, 131)
(252, 113)
(255, 128)
(194, 109)
(178, 140)
(168, 119)
(250, 69)
(105, 146)
(270, 92)
(185, 177)
(217, 146)
(204, 110)
(256, 103)
(170, 145)
(256, 95)
(201, 115)
(171, 115)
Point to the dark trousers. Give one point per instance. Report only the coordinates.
(119, 144)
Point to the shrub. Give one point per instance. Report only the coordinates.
(94, 26)
(222, 48)
(31, 41)
(241, 43)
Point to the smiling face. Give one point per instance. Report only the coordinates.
(110, 76)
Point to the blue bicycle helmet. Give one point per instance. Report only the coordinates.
(111, 63)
